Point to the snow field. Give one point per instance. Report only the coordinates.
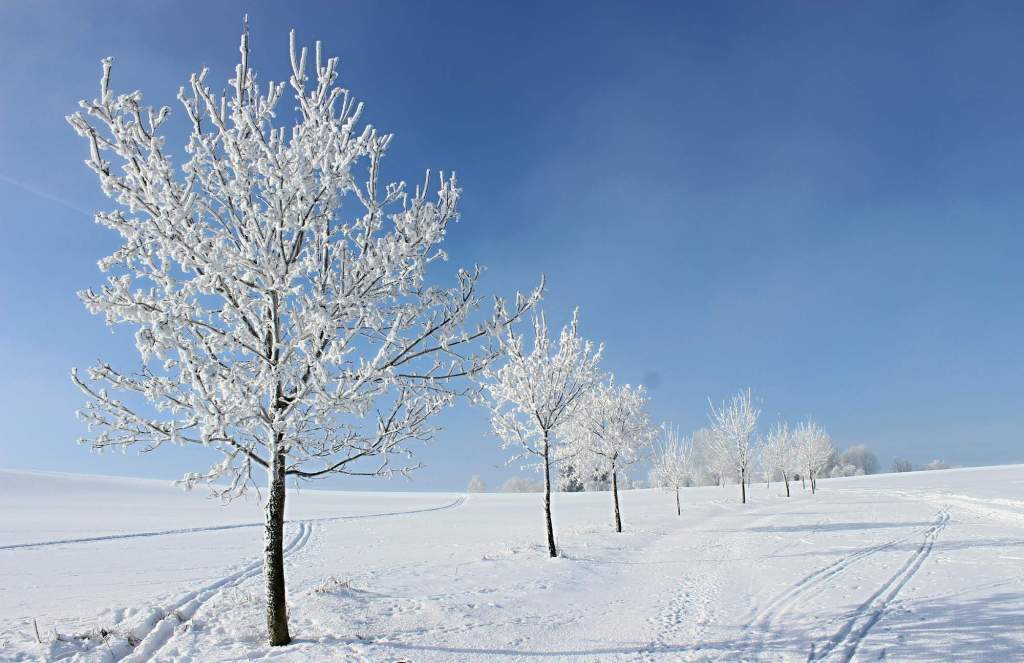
(915, 567)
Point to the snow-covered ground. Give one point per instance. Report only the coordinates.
(916, 567)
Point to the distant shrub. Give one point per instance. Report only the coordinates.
(902, 465)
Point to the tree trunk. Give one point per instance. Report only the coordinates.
(743, 485)
(273, 556)
(785, 478)
(615, 499)
(814, 486)
(552, 550)
(679, 510)
(803, 484)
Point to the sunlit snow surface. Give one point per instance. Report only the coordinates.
(917, 567)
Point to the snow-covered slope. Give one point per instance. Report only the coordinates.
(924, 566)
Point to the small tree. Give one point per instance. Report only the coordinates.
(274, 328)
(673, 463)
(476, 485)
(733, 426)
(815, 451)
(536, 393)
(777, 452)
(611, 432)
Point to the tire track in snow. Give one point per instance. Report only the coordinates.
(848, 638)
(220, 528)
(765, 620)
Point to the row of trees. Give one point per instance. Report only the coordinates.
(730, 450)
(277, 291)
(552, 404)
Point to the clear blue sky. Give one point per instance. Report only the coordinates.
(821, 201)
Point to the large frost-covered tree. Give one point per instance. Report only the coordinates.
(611, 432)
(291, 333)
(536, 394)
(733, 425)
(674, 463)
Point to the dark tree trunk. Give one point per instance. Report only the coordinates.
(615, 499)
(273, 556)
(786, 479)
(552, 550)
(803, 484)
(743, 485)
(679, 510)
(814, 486)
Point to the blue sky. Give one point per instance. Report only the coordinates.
(819, 201)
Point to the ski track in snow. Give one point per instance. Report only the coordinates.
(851, 634)
(168, 620)
(160, 625)
(764, 622)
(219, 528)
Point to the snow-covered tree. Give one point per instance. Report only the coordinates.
(844, 469)
(815, 451)
(733, 426)
(611, 432)
(673, 464)
(778, 452)
(277, 326)
(901, 465)
(476, 485)
(706, 470)
(580, 474)
(537, 393)
(861, 458)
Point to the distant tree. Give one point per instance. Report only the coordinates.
(778, 452)
(733, 441)
(476, 485)
(274, 327)
(521, 485)
(569, 480)
(815, 451)
(706, 471)
(843, 469)
(901, 465)
(537, 393)
(576, 474)
(611, 432)
(673, 463)
(861, 458)
(935, 465)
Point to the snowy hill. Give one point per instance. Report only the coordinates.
(921, 566)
